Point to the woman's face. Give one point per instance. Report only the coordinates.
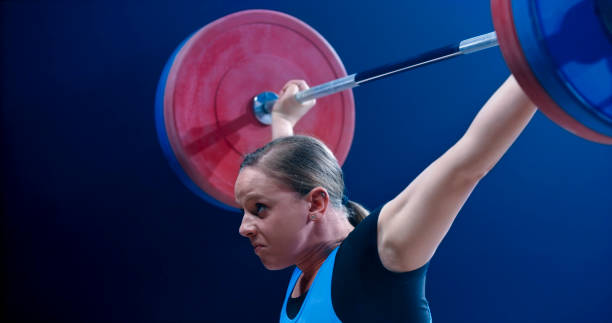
(275, 218)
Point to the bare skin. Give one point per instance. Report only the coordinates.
(287, 229)
(287, 111)
(410, 226)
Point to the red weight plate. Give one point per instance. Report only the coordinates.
(512, 51)
(210, 88)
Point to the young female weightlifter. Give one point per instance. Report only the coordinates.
(351, 267)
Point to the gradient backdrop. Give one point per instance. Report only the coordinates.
(96, 227)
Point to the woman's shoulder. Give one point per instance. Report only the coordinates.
(359, 274)
(360, 249)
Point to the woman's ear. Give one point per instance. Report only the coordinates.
(319, 200)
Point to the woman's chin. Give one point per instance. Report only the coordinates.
(269, 265)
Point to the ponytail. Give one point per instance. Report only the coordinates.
(356, 212)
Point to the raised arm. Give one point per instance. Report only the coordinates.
(287, 111)
(412, 225)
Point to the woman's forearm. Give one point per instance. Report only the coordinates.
(496, 127)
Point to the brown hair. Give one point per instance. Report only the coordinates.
(304, 163)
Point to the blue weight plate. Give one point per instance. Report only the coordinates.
(570, 54)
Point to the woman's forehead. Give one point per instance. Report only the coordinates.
(253, 181)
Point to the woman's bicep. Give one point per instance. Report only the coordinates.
(412, 225)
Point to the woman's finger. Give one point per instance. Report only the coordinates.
(302, 85)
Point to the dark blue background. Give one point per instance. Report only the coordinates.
(96, 227)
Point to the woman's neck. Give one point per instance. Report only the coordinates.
(328, 232)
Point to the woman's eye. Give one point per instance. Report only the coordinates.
(259, 208)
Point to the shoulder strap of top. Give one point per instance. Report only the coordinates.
(294, 277)
(317, 306)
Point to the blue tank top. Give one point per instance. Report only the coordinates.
(317, 306)
(352, 285)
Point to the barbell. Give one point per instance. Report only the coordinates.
(213, 99)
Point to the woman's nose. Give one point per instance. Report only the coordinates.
(247, 229)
